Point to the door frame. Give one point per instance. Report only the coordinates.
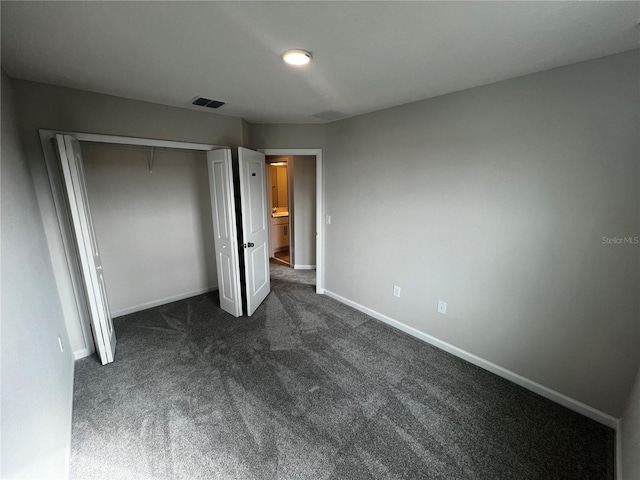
(317, 152)
(66, 267)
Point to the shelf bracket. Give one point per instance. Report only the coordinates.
(151, 160)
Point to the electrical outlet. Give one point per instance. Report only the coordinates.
(328, 219)
(396, 291)
(442, 307)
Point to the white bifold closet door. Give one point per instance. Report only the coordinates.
(87, 246)
(255, 224)
(253, 200)
(225, 233)
(254, 247)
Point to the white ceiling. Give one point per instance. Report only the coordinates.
(367, 55)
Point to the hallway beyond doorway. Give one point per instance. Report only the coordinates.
(283, 256)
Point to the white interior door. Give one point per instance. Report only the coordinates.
(73, 175)
(255, 226)
(225, 230)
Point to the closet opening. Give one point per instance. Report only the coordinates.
(157, 224)
(151, 212)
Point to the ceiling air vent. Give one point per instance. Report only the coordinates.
(330, 115)
(207, 102)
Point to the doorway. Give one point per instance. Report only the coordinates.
(305, 219)
(280, 184)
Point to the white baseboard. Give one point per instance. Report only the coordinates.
(546, 392)
(304, 267)
(162, 301)
(78, 354)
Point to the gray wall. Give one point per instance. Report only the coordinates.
(41, 106)
(48, 106)
(154, 230)
(631, 434)
(37, 379)
(495, 200)
(304, 206)
(246, 134)
(287, 136)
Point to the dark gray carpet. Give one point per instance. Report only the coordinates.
(284, 272)
(310, 389)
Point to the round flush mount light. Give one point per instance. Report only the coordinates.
(297, 57)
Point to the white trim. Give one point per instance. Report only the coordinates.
(535, 387)
(291, 206)
(162, 301)
(147, 142)
(319, 204)
(304, 267)
(84, 352)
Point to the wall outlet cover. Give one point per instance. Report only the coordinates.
(396, 291)
(442, 307)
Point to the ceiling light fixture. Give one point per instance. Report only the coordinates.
(297, 57)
